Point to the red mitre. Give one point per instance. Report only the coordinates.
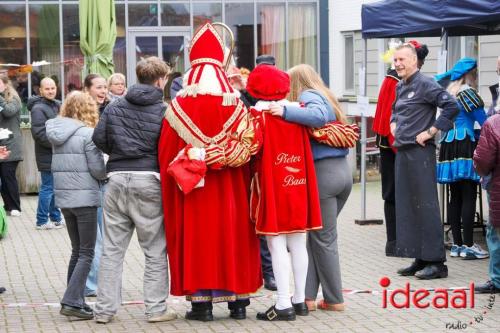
(206, 76)
(207, 47)
(267, 82)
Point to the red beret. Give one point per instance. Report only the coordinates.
(268, 83)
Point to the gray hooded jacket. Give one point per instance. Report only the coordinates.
(77, 164)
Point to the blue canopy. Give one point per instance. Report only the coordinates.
(428, 18)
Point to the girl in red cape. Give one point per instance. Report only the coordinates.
(212, 247)
(285, 201)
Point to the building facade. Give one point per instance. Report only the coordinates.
(48, 30)
(347, 52)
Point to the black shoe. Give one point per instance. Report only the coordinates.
(433, 271)
(270, 283)
(201, 315)
(301, 309)
(72, 311)
(201, 311)
(273, 314)
(238, 313)
(2, 290)
(412, 269)
(486, 288)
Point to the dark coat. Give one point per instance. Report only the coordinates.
(487, 161)
(42, 110)
(10, 118)
(129, 128)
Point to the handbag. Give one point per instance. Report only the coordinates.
(336, 134)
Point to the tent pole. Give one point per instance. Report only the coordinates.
(363, 135)
(363, 94)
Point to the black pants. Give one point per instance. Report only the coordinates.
(82, 229)
(10, 188)
(387, 161)
(461, 210)
(265, 259)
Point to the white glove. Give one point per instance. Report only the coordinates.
(197, 154)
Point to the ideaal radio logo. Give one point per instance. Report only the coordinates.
(438, 298)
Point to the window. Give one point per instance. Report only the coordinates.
(271, 31)
(44, 44)
(73, 57)
(349, 63)
(143, 15)
(459, 47)
(203, 12)
(175, 14)
(239, 17)
(13, 45)
(302, 35)
(120, 50)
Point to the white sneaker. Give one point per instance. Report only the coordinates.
(15, 212)
(166, 316)
(60, 224)
(47, 226)
(476, 252)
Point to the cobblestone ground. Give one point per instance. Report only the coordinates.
(33, 269)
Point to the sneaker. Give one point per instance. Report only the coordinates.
(103, 319)
(15, 213)
(456, 250)
(475, 252)
(46, 226)
(166, 316)
(59, 224)
(486, 288)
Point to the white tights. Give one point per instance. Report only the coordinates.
(296, 244)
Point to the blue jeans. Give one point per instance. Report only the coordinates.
(91, 285)
(46, 205)
(493, 241)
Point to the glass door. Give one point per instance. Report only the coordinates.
(171, 46)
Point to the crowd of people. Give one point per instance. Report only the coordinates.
(234, 176)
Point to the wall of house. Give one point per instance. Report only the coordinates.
(345, 18)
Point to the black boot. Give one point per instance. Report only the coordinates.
(273, 314)
(237, 309)
(433, 271)
(2, 290)
(413, 268)
(201, 311)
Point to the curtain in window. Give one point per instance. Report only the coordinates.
(272, 18)
(302, 34)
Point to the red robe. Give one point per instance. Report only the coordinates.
(211, 242)
(285, 195)
(383, 113)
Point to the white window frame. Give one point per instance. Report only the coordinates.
(349, 90)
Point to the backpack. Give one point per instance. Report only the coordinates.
(3, 223)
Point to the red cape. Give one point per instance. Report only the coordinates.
(211, 242)
(386, 97)
(285, 182)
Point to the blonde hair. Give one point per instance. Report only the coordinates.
(469, 79)
(303, 77)
(10, 93)
(116, 77)
(81, 106)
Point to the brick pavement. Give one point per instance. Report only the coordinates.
(33, 268)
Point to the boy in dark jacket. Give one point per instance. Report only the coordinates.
(128, 132)
(43, 108)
